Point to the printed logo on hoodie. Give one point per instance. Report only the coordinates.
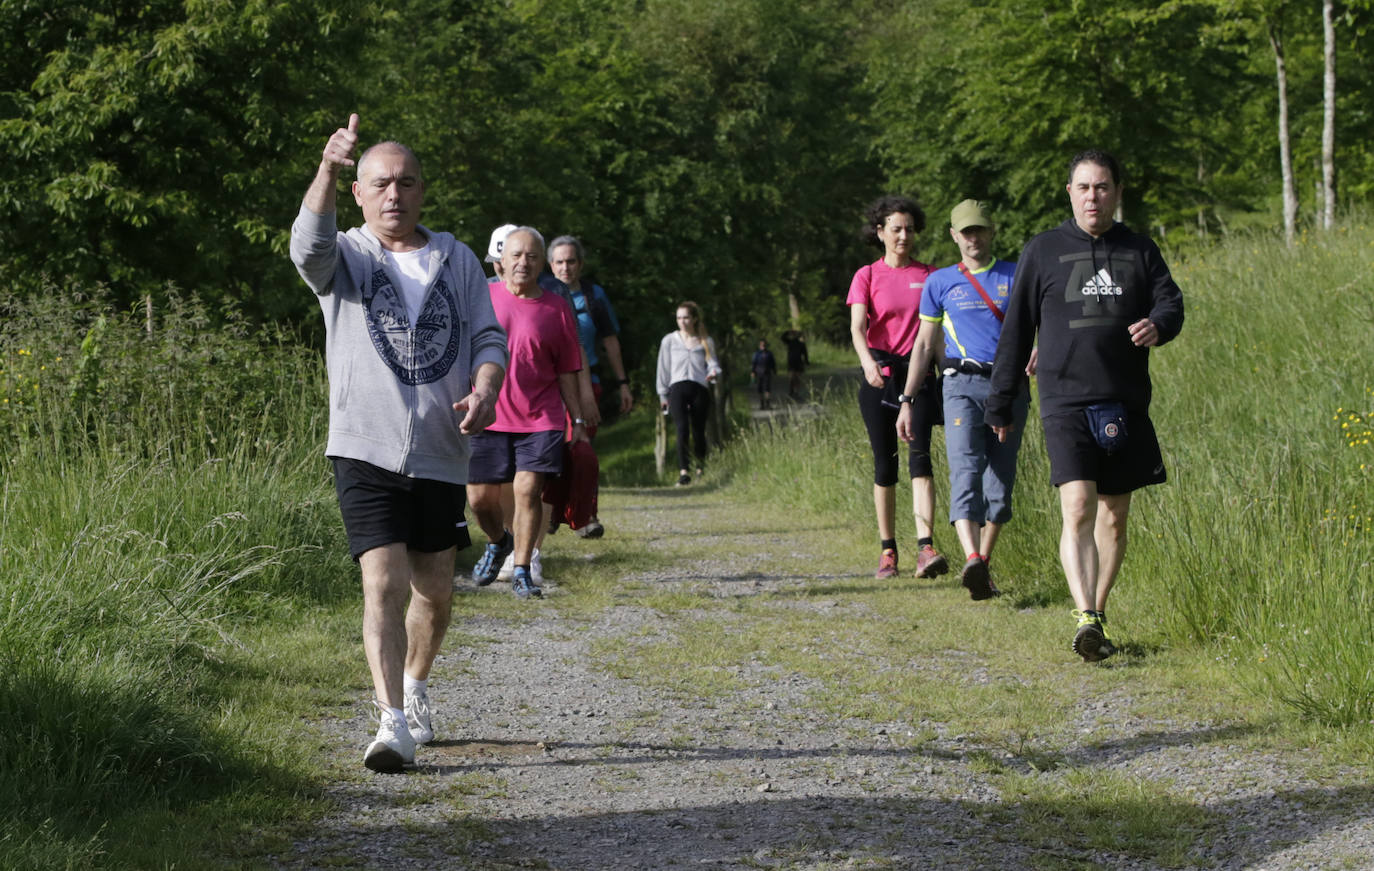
(419, 356)
(1101, 284)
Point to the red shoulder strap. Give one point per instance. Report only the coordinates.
(983, 293)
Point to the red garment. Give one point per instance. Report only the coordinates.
(572, 495)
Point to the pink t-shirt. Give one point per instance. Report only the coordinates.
(541, 336)
(893, 298)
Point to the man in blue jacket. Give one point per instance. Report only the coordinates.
(1099, 296)
(416, 358)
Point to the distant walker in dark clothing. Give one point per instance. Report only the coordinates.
(761, 372)
(797, 361)
(1099, 296)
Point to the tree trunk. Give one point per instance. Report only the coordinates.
(1201, 207)
(1329, 116)
(1290, 194)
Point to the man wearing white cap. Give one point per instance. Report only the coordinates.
(498, 241)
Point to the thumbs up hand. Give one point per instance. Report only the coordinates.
(339, 151)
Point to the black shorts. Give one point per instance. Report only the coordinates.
(380, 507)
(497, 456)
(1076, 456)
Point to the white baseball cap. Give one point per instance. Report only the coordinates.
(498, 239)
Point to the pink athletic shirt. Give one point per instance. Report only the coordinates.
(893, 298)
(541, 336)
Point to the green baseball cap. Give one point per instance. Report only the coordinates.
(969, 213)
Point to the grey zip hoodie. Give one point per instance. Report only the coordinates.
(392, 384)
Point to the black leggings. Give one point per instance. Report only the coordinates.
(881, 423)
(690, 403)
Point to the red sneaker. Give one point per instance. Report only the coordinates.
(929, 563)
(887, 564)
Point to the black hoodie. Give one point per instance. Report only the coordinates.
(1080, 294)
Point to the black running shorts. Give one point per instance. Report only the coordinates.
(380, 507)
(1076, 456)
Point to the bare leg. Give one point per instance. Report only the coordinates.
(528, 486)
(968, 533)
(485, 501)
(1110, 536)
(386, 584)
(990, 533)
(545, 510)
(885, 504)
(1077, 547)
(923, 505)
(431, 600)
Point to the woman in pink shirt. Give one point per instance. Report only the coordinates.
(884, 305)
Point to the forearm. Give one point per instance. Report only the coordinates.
(611, 345)
(487, 380)
(921, 355)
(322, 196)
(568, 389)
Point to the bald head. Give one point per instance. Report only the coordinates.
(389, 147)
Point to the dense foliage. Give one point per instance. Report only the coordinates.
(707, 150)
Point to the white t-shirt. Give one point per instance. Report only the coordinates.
(412, 268)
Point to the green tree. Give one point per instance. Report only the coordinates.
(997, 117)
(165, 141)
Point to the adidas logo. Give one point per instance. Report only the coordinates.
(1101, 284)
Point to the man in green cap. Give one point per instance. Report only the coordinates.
(967, 300)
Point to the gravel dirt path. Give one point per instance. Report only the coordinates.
(546, 759)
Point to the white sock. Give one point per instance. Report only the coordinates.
(399, 714)
(415, 687)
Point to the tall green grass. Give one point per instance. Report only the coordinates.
(1262, 544)
(159, 492)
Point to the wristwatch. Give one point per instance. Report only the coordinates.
(577, 421)
(903, 399)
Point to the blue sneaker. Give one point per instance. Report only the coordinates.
(489, 566)
(523, 585)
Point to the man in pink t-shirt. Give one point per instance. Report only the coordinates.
(525, 444)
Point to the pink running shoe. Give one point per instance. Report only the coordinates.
(887, 564)
(929, 563)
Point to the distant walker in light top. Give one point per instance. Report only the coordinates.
(687, 367)
(968, 300)
(1098, 296)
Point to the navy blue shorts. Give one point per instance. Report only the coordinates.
(497, 456)
(381, 507)
(1076, 456)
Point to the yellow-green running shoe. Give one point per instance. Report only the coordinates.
(1088, 638)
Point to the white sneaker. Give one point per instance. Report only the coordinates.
(507, 568)
(393, 748)
(536, 568)
(417, 717)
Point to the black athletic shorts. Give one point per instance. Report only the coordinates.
(381, 507)
(497, 456)
(1076, 456)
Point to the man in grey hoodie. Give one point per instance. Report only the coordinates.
(416, 358)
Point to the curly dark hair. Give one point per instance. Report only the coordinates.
(888, 204)
(1099, 157)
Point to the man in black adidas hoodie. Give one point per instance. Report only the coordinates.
(1099, 297)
